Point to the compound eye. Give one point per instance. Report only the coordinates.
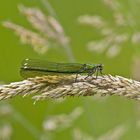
(101, 67)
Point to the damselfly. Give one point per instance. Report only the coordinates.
(32, 68)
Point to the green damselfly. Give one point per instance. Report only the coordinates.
(33, 68)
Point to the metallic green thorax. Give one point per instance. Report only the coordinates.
(32, 68)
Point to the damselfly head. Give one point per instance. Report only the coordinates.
(100, 66)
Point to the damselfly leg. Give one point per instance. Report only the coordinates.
(83, 69)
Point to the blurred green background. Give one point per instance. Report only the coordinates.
(101, 118)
